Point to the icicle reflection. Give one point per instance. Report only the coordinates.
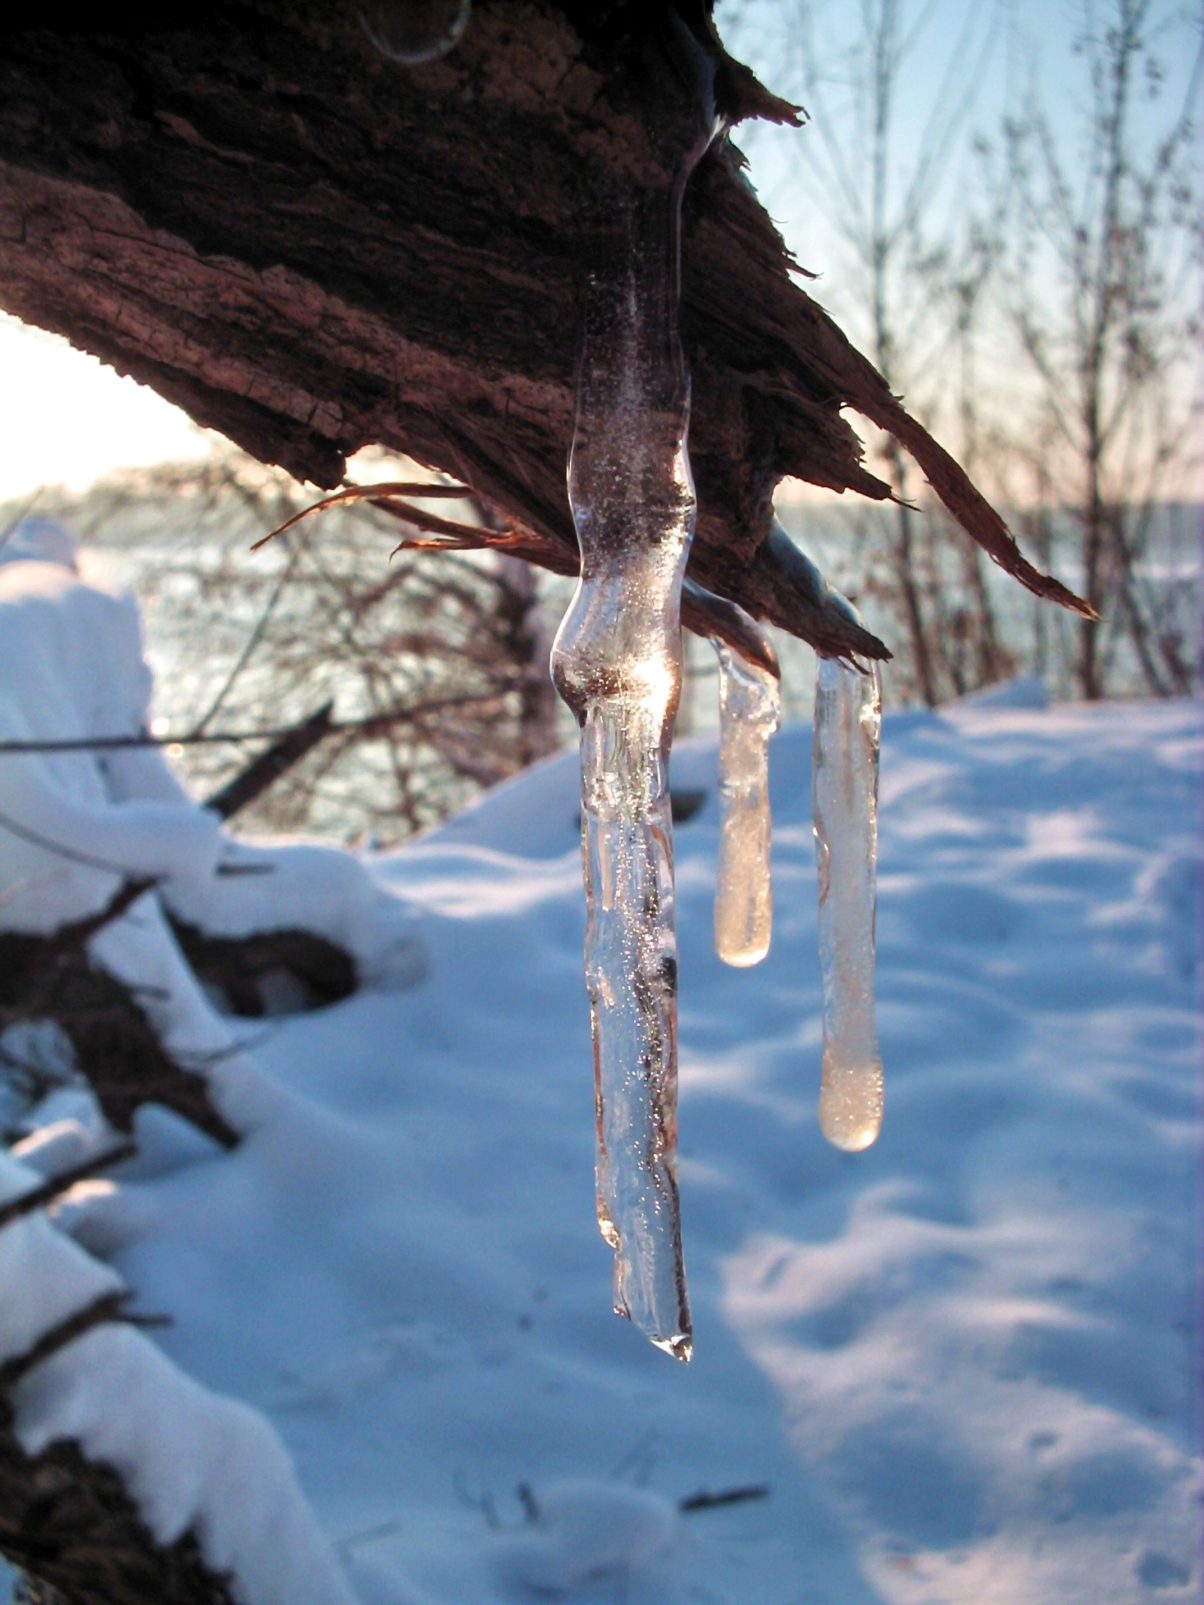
(617, 664)
(749, 704)
(415, 31)
(848, 724)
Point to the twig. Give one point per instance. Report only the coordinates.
(369, 722)
(108, 1307)
(252, 641)
(368, 1535)
(54, 1187)
(6, 533)
(726, 1496)
(378, 494)
(255, 779)
(244, 788)
(70, 937)
(119, 743)
(482, 1502)
(51, 846)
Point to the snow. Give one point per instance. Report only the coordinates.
(585, 1532)
(75, 823)
(190, 1460)
(961, 1362)
(71, 663)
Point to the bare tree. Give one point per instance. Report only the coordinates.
(891, 99)
(436, 662)
(1101, 249)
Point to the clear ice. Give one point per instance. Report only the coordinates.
(616, 662)
(749, 706)
(848, 725)
(415, 31)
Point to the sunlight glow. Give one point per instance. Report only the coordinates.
(66, 419)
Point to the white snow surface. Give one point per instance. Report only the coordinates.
(191, 1461)
(961, 1362)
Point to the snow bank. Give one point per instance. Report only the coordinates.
(583, 1532)
(73, 823)
(191, 1461)
(962, 1362)
(71, 667)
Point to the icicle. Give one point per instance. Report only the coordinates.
(848, 723)
(749, 702)
(617, 664)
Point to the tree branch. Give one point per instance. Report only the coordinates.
(311, 248)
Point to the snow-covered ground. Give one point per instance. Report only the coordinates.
(961, 1364)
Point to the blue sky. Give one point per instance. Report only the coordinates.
(965, 67)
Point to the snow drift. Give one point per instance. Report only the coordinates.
(961, 1363)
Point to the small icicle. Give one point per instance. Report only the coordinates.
(749, 704)
(848, 724)
(616, 662)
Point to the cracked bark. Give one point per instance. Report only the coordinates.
(311, 248)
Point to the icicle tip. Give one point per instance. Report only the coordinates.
(679, 1347)
(850, 1107)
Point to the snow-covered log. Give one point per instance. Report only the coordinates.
(102, 851)
(112, 1041)
(122, 1481)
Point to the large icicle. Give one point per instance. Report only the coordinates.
(617, 664)
(848, 724)
(749, 706)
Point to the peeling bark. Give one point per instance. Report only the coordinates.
(311, 248)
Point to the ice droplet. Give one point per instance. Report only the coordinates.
(616, 662)
(848, 726)
(749, 703)
(414, 31)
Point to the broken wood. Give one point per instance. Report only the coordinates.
(311, 247)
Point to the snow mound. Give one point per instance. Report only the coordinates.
(191, 1461)
(585, 1532)
(962, 1362)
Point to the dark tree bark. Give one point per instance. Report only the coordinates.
(311, 247)
(245, 970)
